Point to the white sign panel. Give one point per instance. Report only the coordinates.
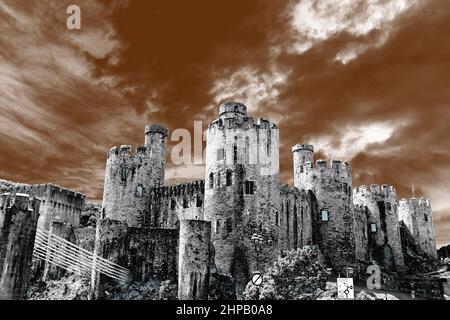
(345, 288)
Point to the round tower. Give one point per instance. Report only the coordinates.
(242, 191)
(130, 176)
(383, 242)
(417, 216)
(302, 153)
(332, 186)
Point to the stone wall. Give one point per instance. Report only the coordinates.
(146, 252)
(50, 271)
(295, 218)
(194, 259)
(129, 177)
(18, 221)
(383, 245)
(332, 186)
(57, 203)
(85, 238)
(170, 204)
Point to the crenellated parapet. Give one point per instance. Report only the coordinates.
(386, 191)
(182, 189)
(336, 169)
(382, 242)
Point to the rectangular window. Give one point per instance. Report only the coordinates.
(325, 215)
(173, 204)
(249, 187)
(373, 227)
(220, 154)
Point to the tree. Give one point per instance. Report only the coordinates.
(297, 275)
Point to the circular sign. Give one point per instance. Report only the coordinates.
(257, 279)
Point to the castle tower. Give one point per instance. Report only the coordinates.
(417, 216)
(130, 176)
(242, 191)
(18, 221)
(129, 179)
(383, 242)
(332, 186)
(302, 153)
(194, 259)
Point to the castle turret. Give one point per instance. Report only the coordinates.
(332, 186)
(383, 236)
(130, 176)
(417, 216)
(242, 191)
(302, 153)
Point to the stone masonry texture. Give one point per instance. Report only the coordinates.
(18, 221)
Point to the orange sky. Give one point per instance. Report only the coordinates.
(369, 84)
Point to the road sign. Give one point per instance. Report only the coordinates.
(345, 288)
(257, 279)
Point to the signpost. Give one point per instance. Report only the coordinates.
(345, 288)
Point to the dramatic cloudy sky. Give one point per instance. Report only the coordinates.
(366, 81)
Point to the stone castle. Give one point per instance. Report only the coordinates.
(240, 218)
(209, 226)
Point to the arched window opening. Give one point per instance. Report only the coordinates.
(211, 180)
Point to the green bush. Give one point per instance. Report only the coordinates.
(297, 275)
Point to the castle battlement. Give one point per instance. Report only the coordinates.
(232, 110)
(20, 201)
(385, 190)
(39, 190)
(415, 202)
(156, 128)
(286, 190)
(335, 167)
(188, 188)
(233, 115)
(299, 147)
(125, 151)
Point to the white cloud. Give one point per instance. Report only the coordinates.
(250, 87)
(316, 21)
(354, 139)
